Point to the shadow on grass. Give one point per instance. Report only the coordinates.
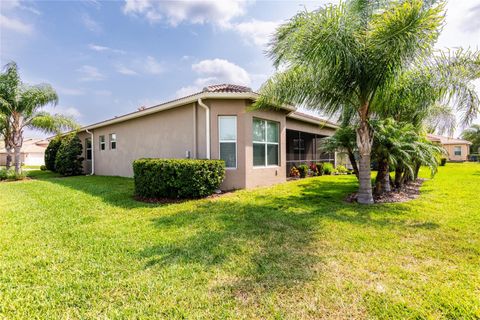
(268, 238)
(116, 191)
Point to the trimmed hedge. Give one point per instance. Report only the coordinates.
(177, 178)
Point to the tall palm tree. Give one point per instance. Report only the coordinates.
(472, 134)
(342, 56)
(21, 107)
(5, 134)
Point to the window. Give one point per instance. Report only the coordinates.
(227, 132)
(102, 142)
(88, 149)
(457, 150)
(265, 143)
(113, 141)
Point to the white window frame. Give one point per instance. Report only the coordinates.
(266, 143)
(104, 143)
(110, 141)
(88, 149)
(455, 151)
(220, 141)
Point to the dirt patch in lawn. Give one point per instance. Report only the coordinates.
(408, 192)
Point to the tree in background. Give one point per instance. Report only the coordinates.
(472, 134)
(68, 160)
(21, 106)
(341, 57)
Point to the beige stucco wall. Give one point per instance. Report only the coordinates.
(171, 133)
(167, 134)
(246, 175)
(451, 154)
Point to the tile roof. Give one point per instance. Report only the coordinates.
(446, 140)
(225, 87)
(316, 118)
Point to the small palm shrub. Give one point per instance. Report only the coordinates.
(341, 169)
(328, 168)
(68, 161)
(443, 161)
(303, 169)
(11, 175)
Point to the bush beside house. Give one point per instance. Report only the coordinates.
(68, 160)
(51, 153)
(177, 178)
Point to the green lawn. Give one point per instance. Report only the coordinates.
(77, 248)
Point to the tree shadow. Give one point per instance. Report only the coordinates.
(267, 240)
(116, 191)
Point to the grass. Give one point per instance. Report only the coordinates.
(81, 247)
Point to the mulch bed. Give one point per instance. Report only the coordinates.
(408, 192)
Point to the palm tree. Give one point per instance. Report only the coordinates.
(342, 56)
(20, 106)
(472, 134)
(5, 134)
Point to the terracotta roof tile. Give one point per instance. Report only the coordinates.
(226, 88)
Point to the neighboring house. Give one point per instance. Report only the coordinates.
(259, 146)
(31, 154)
(457, 149)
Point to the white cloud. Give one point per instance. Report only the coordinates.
(124, 70)
(15, 25)
(215, 71)
(99, 48)
(152, 66)
(69, 91)
(63, 110)
(90, 23)
(90, 73)
(256, 32)
(195, 12)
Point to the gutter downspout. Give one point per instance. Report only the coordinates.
(207, 124)
(194, 131)
(93, 153)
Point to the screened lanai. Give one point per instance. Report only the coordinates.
(306, 148)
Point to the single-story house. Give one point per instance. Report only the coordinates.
(457, 149)
(259, 147)
(31, 154)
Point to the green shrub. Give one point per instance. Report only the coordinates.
(320, 168)
(68, 161)
(328, 168)
(51, 153)
(443, 161)
(303, 169)
(11, 175)
(341, 169)
(43, 168)
(177, 178)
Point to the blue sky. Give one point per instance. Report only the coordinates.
(109, 58)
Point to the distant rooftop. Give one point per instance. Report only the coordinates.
(225, 87)
(446, 140)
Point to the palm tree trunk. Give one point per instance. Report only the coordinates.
(353, 161)
(417, 169)
(8, 163)
(398, 177)
(364, 143)
(18, 162)
(17, 142)
(382, 181)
